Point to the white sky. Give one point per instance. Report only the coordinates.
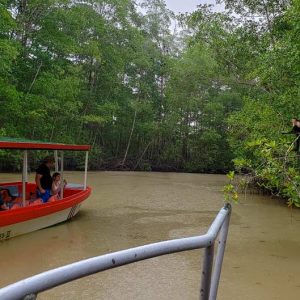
(182, 6)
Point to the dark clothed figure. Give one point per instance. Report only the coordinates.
(295, 130)
(46, 179)
(43, 179)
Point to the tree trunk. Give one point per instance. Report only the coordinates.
(141, 157)
(129, 140)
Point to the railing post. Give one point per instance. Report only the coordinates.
(209, 281)
(206, 272)
(220, 255)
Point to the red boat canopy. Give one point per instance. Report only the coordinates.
(8, 143)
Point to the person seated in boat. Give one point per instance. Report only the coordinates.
(295, 130)
(3, 205)
(57, 185)
(5, 199)
(43, 179)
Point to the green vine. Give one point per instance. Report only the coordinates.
(229, 190)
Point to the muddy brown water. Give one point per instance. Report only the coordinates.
(128, 209)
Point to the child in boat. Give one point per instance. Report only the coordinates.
(57, 185)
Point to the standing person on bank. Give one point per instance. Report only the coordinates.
(43, 179)
(295, 130)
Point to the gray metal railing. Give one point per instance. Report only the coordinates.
(29, 288)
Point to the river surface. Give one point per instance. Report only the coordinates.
(128, 209)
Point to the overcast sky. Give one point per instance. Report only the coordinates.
(182, 6)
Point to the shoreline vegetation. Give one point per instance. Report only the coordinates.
(149, 89)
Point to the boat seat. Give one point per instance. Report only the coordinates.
(74, 186)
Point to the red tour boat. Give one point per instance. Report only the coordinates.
(27, 218)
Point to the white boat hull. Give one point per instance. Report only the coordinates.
(31, 225)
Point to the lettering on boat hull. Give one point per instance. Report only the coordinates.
(5, 235)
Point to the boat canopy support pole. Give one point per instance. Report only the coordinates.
(24, 176)
(62, 174)
(85, 169)
(56, 160)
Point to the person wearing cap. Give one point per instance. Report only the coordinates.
(43, 179)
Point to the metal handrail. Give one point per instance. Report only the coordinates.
(30, 287)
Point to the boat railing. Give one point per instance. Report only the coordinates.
(29, 288)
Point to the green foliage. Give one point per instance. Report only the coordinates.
(229, 191)
(274, 168)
